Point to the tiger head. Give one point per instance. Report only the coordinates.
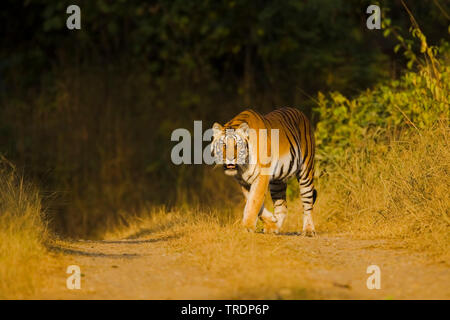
(230, 147)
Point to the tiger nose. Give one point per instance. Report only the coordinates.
(230, 151)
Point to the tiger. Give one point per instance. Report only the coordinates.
(238, 140)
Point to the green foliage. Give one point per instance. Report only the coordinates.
(417, 100)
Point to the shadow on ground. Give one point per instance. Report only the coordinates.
(78, 252)
(58, 248)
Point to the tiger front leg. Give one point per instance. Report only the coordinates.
(255, 201)
(267, 217)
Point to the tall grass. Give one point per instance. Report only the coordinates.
(398, 190)
(22, 234)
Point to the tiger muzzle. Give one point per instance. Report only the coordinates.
(229, 166)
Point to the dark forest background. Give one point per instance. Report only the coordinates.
(87, 114)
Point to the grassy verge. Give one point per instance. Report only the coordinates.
(397, 190)
(23, 256)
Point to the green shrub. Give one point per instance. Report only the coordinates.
(416, 100)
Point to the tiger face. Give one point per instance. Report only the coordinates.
(230, 147)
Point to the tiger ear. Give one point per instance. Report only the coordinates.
(217, 129)
(244, 128)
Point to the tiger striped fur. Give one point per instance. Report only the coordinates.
(295, 157)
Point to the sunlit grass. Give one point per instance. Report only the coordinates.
(399, 190)
(22, 234)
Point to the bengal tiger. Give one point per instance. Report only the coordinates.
(239, 139)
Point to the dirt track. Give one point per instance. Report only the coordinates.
(150, 267)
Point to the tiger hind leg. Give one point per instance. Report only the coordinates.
(308, 196)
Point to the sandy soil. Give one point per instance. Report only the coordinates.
(151, 267)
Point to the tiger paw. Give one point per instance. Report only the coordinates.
(250, 227)
(308, 227)
(309, 233)
(270, 227)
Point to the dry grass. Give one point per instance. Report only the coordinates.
(399, 190)
(22, 234)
